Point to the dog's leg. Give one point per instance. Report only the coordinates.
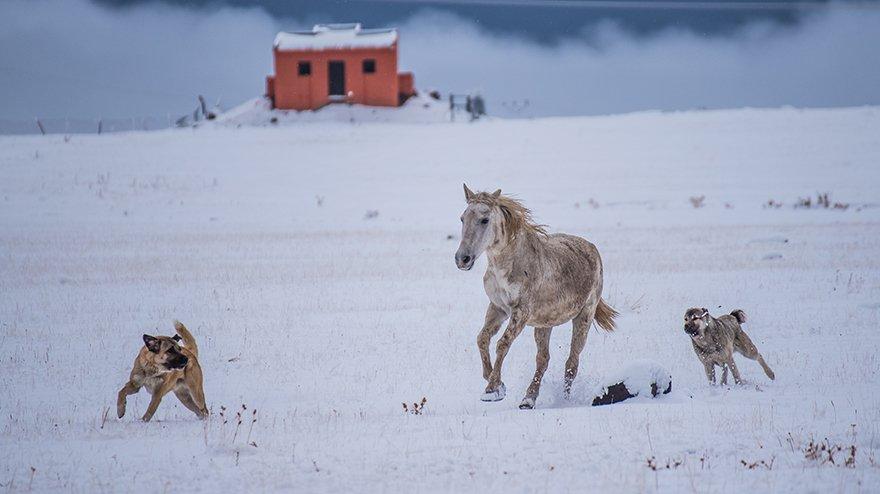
(710, 371)
(754, 355)
(734, 370)
(767, 369)
(130, 388)
(193, 378)
(185, 398)
(724, 374)
(167, 386)
(748, 350)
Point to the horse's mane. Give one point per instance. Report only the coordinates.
(517, 217)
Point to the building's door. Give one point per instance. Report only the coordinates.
(336, 78)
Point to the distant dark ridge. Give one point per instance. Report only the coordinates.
(546, 21)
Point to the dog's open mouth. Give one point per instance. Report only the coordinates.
(176, 365)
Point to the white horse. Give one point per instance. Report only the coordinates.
(534, 279)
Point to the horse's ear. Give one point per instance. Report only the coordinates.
(496, 194)
(468, 193)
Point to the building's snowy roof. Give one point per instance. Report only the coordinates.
(330, 36)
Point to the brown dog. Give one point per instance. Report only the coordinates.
(164, 365)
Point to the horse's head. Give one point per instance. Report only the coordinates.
(481, 224)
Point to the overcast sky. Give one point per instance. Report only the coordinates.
(81, 59)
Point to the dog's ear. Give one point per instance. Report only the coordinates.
(152, 343)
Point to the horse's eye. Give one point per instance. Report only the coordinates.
(484, 220)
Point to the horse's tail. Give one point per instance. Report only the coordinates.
(605, 315)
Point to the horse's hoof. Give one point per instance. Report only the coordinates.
(496, 394)
(527, 403)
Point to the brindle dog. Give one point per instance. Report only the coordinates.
(163, 365)
(715, 340)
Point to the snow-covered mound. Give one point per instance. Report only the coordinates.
(257, 112)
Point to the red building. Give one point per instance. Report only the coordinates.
(337, 63)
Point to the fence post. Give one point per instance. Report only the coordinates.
(451, 107)
(40, 125)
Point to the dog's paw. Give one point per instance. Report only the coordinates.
(147, 417)
(120, 409)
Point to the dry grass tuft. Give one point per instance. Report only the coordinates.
(823, 452)
(698, 201)
(417, 408)
(760, 463)
(671, 464)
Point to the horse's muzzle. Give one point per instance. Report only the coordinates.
(464, 262)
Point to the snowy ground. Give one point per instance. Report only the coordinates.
(258, 112)
(325, 320)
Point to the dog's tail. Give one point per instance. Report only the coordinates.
(739, 315)
(605, 315)
(188, 341)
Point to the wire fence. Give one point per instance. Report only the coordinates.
(61, 125)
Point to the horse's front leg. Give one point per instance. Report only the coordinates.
(494, 319)
(496, 390)
(542, 341)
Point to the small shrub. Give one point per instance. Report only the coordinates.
(760, 463)
(417, 408)
(670, 464)
(824, 452)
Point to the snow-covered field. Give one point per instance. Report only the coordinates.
(314, 264)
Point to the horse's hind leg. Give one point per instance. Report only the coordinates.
(542, 341)
(580, 328)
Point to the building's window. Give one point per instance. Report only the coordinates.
(369, 66)
(304, 68)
